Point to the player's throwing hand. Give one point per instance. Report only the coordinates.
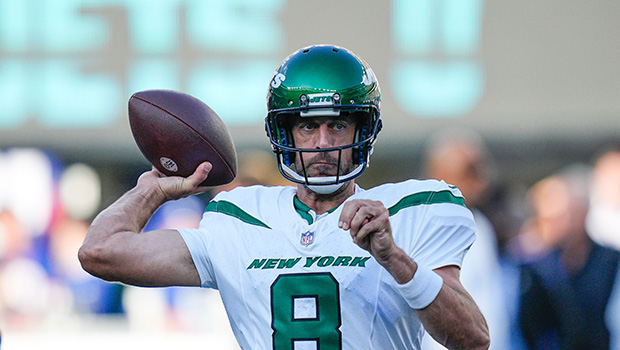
(175, 187)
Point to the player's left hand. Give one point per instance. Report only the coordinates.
(368, 223)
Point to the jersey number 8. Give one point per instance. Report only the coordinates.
(305, 308)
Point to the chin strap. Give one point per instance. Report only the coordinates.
(325, 189)
(321, 184)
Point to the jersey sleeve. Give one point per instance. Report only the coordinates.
(445, 237)
(198, 241)
(202, 242)
(435, 227)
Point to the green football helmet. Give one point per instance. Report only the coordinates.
(322, 80)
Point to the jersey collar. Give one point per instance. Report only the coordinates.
(306, 212)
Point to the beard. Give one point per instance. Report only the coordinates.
(323, 164)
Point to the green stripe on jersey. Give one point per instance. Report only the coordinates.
(303, 210)
(426, 198)
(231, 209)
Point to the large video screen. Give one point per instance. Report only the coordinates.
(509, 69)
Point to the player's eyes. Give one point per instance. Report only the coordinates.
(308, 126)
(337, 126)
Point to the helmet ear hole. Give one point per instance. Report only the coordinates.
(285, 154)
(359, 154)
(286, 139)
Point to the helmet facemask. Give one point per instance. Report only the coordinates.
(323, 81)
(349, 165)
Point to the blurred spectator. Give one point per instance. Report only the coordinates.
(26, 192)
(603, 221)
(79, 196)
(570, 287)
(88, 295)
(459, 157)
(43, 211)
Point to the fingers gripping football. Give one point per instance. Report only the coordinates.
(368, 223)
(175, 187)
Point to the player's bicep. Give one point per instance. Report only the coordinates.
(450, 276)
(152, 259)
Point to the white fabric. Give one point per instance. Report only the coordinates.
(603, 224)
(612, 315)
(482, 276)
(422, 289)
(243, 261)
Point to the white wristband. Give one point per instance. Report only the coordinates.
(422, 289)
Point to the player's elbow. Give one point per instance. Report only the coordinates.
(93, 259)
(481, 339)
(484, 343)
(476, 337)
(88, 257)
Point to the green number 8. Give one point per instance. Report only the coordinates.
(306, 307)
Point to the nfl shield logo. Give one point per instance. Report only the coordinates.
(307, 238)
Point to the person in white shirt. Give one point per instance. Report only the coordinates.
(460, 157)
(324, 264)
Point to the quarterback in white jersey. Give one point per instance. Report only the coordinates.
(322, 265)
(286, 274)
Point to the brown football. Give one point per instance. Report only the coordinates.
(176, 132)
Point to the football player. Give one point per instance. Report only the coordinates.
(321, 265)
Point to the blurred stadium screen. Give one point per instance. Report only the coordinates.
(517, 71)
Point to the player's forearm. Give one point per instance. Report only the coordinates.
(454, 320)
(399, 265)
(129, 214)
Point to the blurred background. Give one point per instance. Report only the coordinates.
(536, 82)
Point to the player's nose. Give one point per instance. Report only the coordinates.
(323, 137)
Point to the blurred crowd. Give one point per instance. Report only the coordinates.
(544, 267)
(545, 276)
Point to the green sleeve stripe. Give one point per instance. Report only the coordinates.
(424, 198)
(231, 209)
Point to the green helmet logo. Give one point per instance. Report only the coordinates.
(322, 80)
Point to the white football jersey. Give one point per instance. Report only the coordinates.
(290, 279)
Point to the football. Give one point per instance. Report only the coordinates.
(176, 132)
